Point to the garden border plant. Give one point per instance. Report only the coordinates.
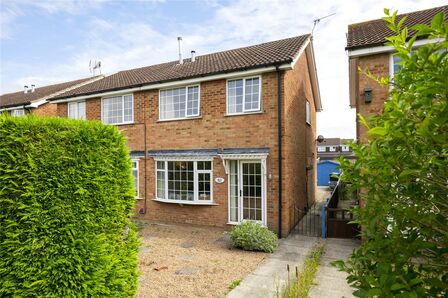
(250, 235)
(304, 279)
(66, 196)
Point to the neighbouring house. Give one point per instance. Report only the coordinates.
(367, 51)
(35, 99)
(218, 138)
(324, 170)
(332, 148)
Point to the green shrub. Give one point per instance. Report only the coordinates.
(66, 196)
(253, 236)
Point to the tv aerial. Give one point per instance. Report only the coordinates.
(317, 21)
(94, 67)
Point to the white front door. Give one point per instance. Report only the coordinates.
(246, 191)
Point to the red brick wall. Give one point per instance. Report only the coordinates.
(299, 144)
(213, 129)
(47, 109)
(378, 65)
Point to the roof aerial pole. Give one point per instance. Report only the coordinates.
(316, 21)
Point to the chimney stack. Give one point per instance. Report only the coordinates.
(193, 56)
(25, 89)
(32, 88)
(179, 41)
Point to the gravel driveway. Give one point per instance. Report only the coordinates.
(190, 261)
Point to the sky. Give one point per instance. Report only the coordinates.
(51, 41)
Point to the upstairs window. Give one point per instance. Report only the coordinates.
(179, 103)
(18, 112)
(394, 65)
(243, 95)
(77, 110)
(345, 148)
(118, 109)
(308, 113)
(332, 148)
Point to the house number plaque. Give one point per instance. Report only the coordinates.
(219, 180)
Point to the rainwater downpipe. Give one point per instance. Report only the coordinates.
(146, 155)
(280, 163)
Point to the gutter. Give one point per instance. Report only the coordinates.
(280, 155)
(381, 48)
(13, 107)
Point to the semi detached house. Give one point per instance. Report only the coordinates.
(219, 138)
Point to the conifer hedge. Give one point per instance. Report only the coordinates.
(66, 196)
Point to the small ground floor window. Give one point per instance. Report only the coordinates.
(246, 191)
(135, 175)
(181, 181)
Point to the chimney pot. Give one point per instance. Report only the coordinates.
(33, 87)
(25, 89)
(193, 56)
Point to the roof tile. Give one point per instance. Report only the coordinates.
(21, 98)
(374, 33)
(265, 54)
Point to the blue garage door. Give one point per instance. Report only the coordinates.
(324, 169)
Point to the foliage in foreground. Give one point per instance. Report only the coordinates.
(305, 278)
(65, 198)
(252, 236)
(402, 176)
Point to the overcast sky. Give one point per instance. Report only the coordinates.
(51, 41)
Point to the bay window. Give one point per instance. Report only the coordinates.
(184, 181)
(243, 95)
(179, 103)
(118, 109)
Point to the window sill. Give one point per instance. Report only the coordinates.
(119, 124)
(139, 199)
(244, 114)
(197, 203)
(180, 119)
(230, 223)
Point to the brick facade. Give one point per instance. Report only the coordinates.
(47, 109)
(214, 130)
(378, 66)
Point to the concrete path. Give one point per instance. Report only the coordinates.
(270, 277)
(331, 283)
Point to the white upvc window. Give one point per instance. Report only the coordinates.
(179, 103)
(244, 95)
(308, 112)
(321, 149)
(118, 109)
(184, 181)
(136, 177)
(332, 148)
(77, 110)
(394, 65)
(18, 112)
(345, 148)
